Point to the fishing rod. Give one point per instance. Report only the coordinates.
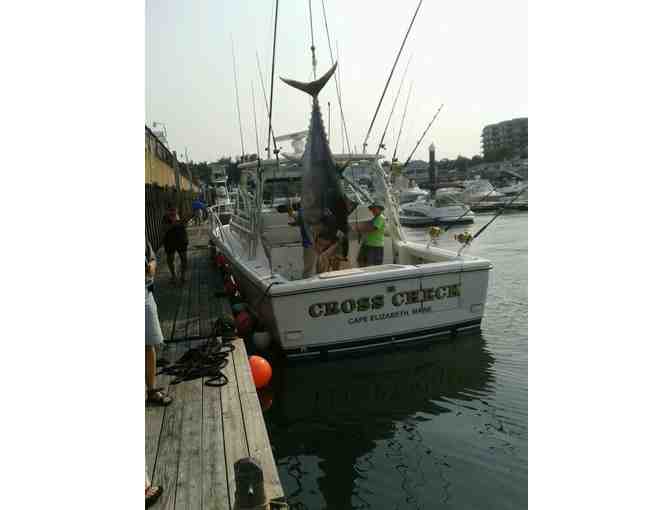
(394, 104)
(403, 118)
(423, 136)
(480, 231)
(366, 139)
(254, 110)
(263, 90)
(240, 124)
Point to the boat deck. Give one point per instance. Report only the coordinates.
(191, 445)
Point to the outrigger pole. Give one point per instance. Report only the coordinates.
(423, 135)
(366, 139)
(270, 110)
(394, 104)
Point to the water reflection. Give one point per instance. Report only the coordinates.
(336, 413)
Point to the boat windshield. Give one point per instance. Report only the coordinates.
(446, 201)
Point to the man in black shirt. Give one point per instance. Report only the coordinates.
(175, 239)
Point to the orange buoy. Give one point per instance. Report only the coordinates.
(261, 371)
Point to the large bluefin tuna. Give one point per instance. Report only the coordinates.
(324, 203)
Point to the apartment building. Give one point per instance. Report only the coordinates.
(510, 134)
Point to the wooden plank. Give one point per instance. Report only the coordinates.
(235, 441)
(215, 489)
(214, 471)
(188, 491)
(190, 395)
(255, 427)
(168, 301)
(170, 443)
(165, 471)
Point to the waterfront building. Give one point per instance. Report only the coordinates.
(510, 134)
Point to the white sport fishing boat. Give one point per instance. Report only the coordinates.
(443, 210)
(420, 291)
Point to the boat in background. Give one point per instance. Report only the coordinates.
(444, 210)
(411, 193)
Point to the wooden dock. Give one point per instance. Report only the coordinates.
(191, 445)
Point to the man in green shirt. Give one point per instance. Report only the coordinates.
(372, 248)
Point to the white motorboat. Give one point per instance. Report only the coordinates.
(412, 193)
(480, 190)
(421, 290)
(443, 210)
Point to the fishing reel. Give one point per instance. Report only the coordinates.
(464, 238)
(434, 234)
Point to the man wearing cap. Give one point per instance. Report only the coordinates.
(372, 248)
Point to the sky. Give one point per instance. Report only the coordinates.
(469, 56)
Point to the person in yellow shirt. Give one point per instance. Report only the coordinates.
(372, 249)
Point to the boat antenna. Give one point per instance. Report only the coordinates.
(312, 39)
(263, 90)
(366, 139)
(423, 135)
(394, 104)
(403, 118)
(337, 81)
(235, 78)
(501, 210)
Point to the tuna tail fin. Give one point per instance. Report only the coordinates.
(313, 88)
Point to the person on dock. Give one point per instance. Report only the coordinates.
(372, 249)
(153, 333)
(309, 254)
(175, 239)
(197, 207)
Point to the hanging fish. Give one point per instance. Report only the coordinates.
(324, 202)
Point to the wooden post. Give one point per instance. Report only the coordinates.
(250, 490)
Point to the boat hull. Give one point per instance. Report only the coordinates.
(429, 222)
(352, 310)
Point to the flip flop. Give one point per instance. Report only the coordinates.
(153, 498)
(157, 397)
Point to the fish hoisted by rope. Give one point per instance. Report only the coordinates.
(324, 202)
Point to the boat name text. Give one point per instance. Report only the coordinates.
(365, 304)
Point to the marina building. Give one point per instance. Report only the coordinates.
(510, 134)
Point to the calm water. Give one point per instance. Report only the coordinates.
(442, 426)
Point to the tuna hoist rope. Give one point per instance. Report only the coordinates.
(207, 360)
